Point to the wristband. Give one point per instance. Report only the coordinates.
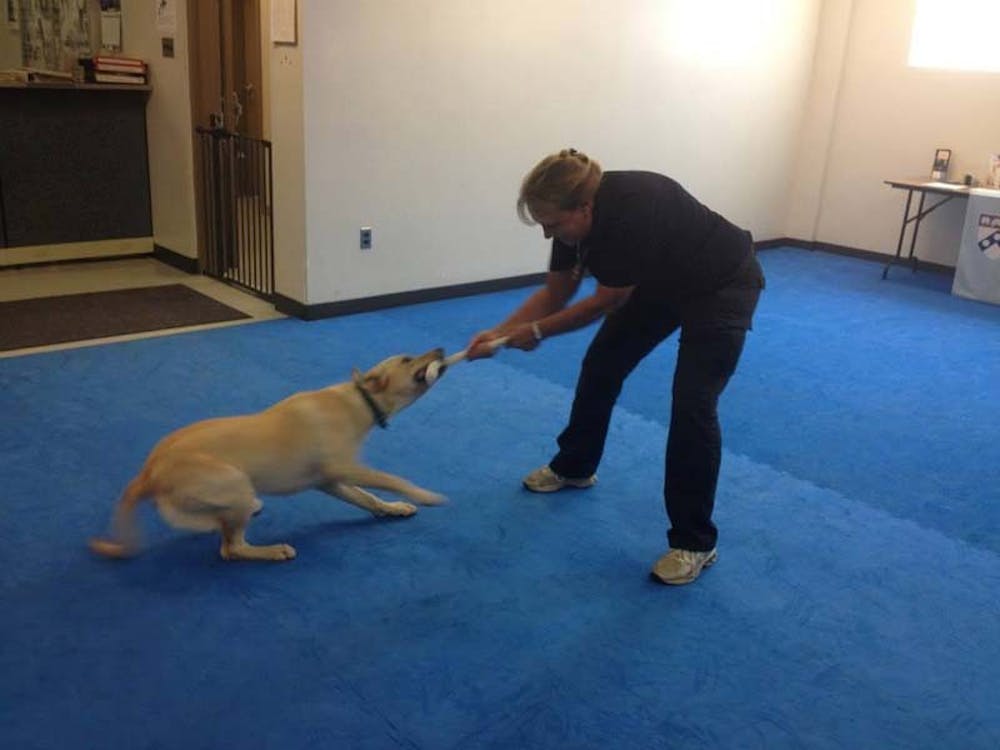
(536, 330)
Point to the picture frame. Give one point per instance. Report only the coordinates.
(942, 159)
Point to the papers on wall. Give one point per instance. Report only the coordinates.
(283, 22)
(111, 30)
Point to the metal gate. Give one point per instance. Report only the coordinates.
(237, 220)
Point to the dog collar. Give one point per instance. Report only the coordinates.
(379, 415)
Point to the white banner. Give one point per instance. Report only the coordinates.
(977, 275)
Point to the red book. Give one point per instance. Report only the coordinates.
(112, 68)
(129, 62)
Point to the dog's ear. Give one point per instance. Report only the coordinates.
(377, 381)
(356, 375)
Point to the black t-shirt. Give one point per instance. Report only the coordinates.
(649, 232)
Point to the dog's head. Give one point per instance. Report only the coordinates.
(398, 381)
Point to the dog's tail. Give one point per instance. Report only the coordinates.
(124, 541)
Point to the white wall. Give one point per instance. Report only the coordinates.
(887, 122)
(168, 123)
(421, 116)
(809, 173)
(283, 126)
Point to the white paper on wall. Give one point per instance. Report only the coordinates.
(166, 16)
(283, 22)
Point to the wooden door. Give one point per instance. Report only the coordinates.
(226, 71)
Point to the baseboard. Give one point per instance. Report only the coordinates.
(75, 252)
(778, 242)
(853, 252)
(175, 259)
(297, 309)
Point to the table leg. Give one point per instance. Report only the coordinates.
(916, 228)
(902, 234)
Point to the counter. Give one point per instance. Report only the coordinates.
(73, 163)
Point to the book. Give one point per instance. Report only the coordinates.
(35, 75)
(114, 68)
(126, 78)
(102, 69)
(132, 62)
(15, 75)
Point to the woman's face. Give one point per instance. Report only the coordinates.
(569, 226)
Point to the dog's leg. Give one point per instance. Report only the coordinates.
(367, 477)
(236, 547)
(208, 494)
(364, 499)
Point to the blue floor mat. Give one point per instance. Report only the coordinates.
(853, 604)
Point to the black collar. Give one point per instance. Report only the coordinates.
(380, 416)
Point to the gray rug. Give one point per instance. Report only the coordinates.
(93, 315)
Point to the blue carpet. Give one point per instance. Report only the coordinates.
(854, 603)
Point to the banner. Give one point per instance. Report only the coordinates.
(977, 275)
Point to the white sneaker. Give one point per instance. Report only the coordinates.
(543, 479)
(682, 565)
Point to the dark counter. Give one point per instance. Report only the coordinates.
(73, 163)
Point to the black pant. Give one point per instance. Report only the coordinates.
(711, 341)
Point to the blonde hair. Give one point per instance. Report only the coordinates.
(564, 180)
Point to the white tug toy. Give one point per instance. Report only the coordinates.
(434, 369)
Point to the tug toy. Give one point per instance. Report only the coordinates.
(434, 369)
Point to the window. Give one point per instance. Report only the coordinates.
(956, 35)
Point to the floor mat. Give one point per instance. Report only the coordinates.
(92, 315)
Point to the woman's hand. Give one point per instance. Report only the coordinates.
(519, 336)
(479, 345)
(523, 337)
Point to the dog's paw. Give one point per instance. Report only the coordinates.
(398, 509)
(426, 497)
(271, 552)
(107, 548)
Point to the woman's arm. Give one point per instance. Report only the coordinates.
(604, 300)
(545, 314)
(560, 286)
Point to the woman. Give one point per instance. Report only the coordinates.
(662, 262)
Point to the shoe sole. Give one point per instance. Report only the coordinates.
(709, 562)
(568, 484)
